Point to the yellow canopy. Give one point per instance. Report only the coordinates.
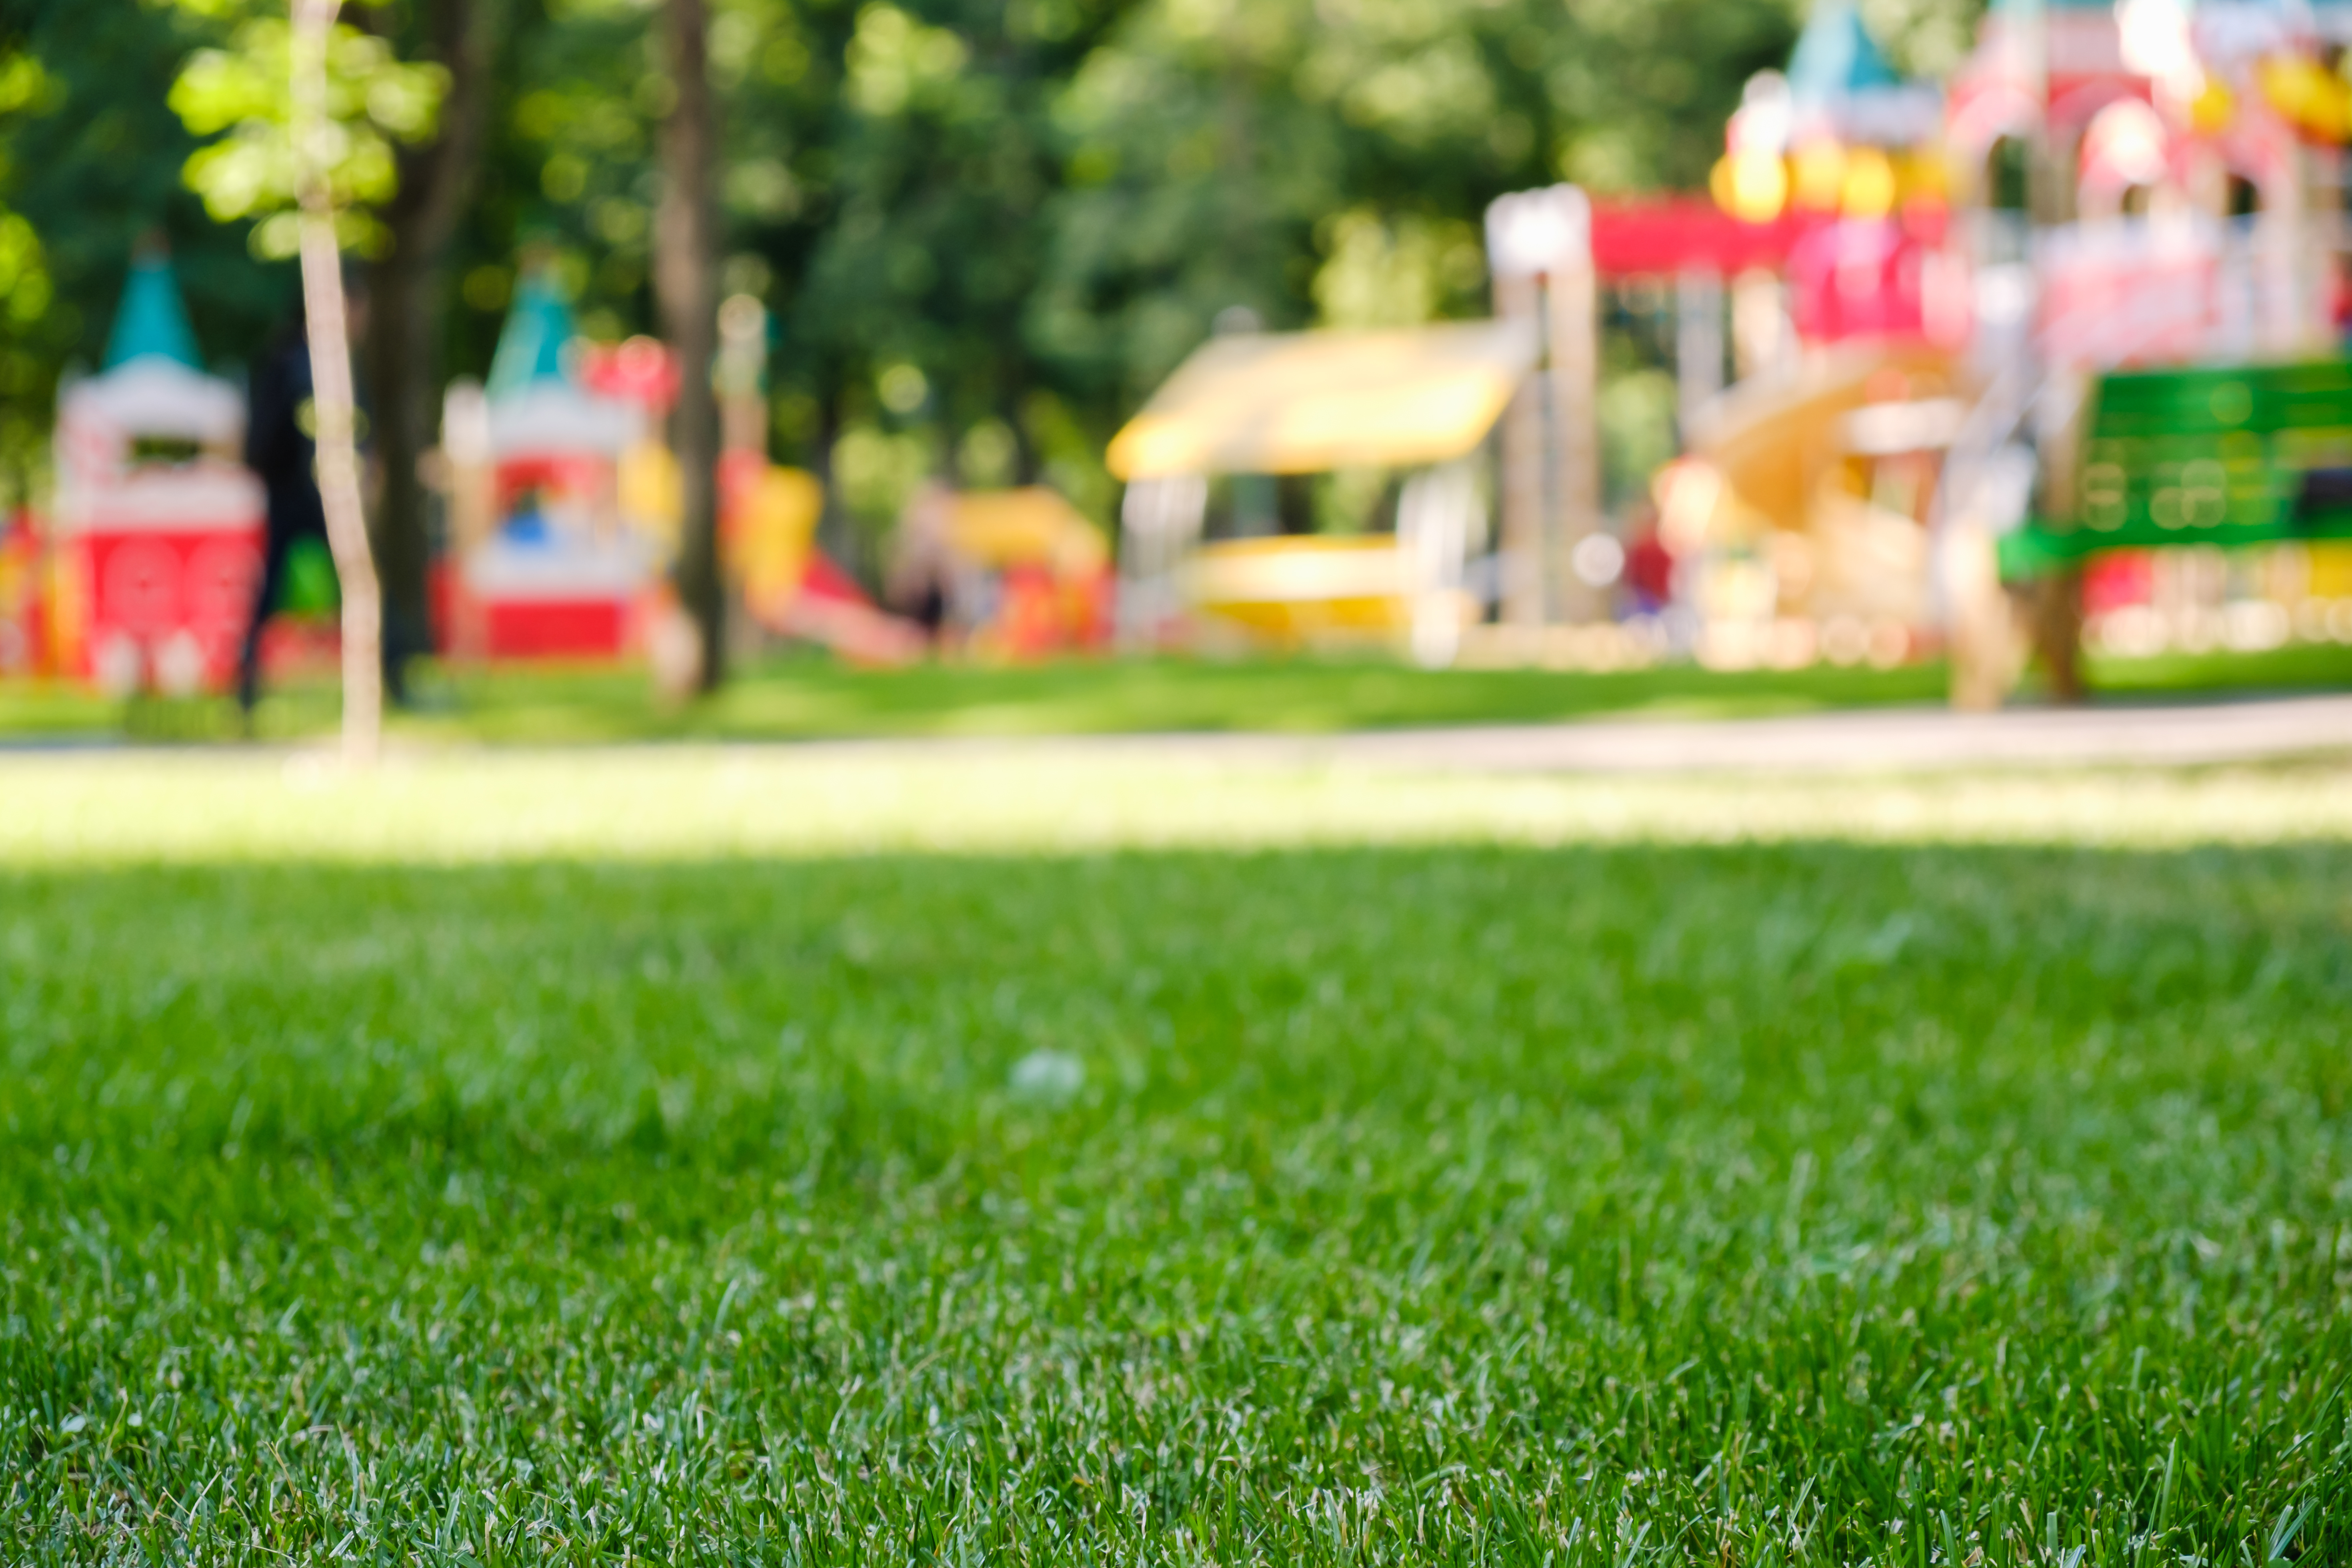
(1032, 525)
(1301, 403)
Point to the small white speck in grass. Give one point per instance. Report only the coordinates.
(1048, 1077)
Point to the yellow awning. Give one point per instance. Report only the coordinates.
(1032, 525)
(1301, 402)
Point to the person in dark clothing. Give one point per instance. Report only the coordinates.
(281, 449)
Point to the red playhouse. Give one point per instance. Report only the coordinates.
(549, 558)
(158, 527)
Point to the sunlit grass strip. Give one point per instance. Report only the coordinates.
(689, 803)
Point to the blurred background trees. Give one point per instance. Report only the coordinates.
(984, 227)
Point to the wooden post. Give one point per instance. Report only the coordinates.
(1160, 523)
(2289, 287)
(331, 378)
(1539, 249)
(1575, 332)
(743, 376)
(2055, 606)
(1982, 617)
(1762, 341)
(1517, 297)
(1698, 342)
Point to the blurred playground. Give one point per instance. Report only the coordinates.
(2014, 385)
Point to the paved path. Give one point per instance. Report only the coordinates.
(1898, 740)
(1910, 740)
(1885, 740)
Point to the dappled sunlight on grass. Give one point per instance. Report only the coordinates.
(985, 797)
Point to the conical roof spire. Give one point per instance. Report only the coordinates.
(1836, 57)
(152, 323)
(530, 345)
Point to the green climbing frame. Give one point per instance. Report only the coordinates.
(2230, 455)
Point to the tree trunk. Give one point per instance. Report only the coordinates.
(685, 278)
(403, 316)
(331, 377)
(2056, 606)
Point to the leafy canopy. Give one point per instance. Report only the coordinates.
(25, 287)
(242, 96)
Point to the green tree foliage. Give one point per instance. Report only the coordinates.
(987, 228)
(90, 159)
(25, 290)
(238, 95)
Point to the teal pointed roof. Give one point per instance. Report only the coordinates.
(530, 345)
(1836, 57)
(151, 323)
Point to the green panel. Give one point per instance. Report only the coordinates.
(310, 586)
(2262, 399)
(2208, 456)
(2033, 552)
(2044, 546)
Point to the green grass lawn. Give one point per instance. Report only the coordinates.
(807, 697)
(882, 1160)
